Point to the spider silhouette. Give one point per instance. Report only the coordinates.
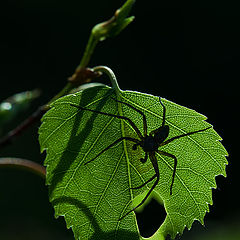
(148, 142)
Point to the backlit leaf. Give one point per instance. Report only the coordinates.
(93, 197)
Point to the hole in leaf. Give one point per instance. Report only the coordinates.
(150, 217)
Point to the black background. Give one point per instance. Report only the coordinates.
(188, 53)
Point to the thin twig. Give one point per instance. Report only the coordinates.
(23, 164)
(36, 116)
(83, 74)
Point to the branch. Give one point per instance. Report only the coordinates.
(110, 28)
(83, 74)
(10, 137)
(23, 164)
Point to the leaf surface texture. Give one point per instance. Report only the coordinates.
(94, 196)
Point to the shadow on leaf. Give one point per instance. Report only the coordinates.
(98, 233)
(76, 140)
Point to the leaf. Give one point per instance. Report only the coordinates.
(93, 197)
(12, 106)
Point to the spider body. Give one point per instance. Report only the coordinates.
(161, 134)
(150, 144)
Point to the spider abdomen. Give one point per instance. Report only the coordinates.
(149, 144)
(161, 134)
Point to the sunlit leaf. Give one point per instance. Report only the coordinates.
(93, 197)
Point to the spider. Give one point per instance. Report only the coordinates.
(149, 144)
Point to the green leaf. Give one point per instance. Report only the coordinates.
(93, 197)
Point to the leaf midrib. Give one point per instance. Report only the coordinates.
(119, 106)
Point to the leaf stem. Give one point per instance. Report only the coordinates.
(92, 43)
(100, 32)
(111, 75)
(23, 164)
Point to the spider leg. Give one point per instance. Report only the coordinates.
(113, 115)
(149, 180)
(174, 168)
(182, 135)
(143, 160)
(145, 198)
(111, 145)
(139, 111)
(163, 120)
(155, 166)
(164, 112)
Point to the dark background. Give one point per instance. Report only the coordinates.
(187, 53)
